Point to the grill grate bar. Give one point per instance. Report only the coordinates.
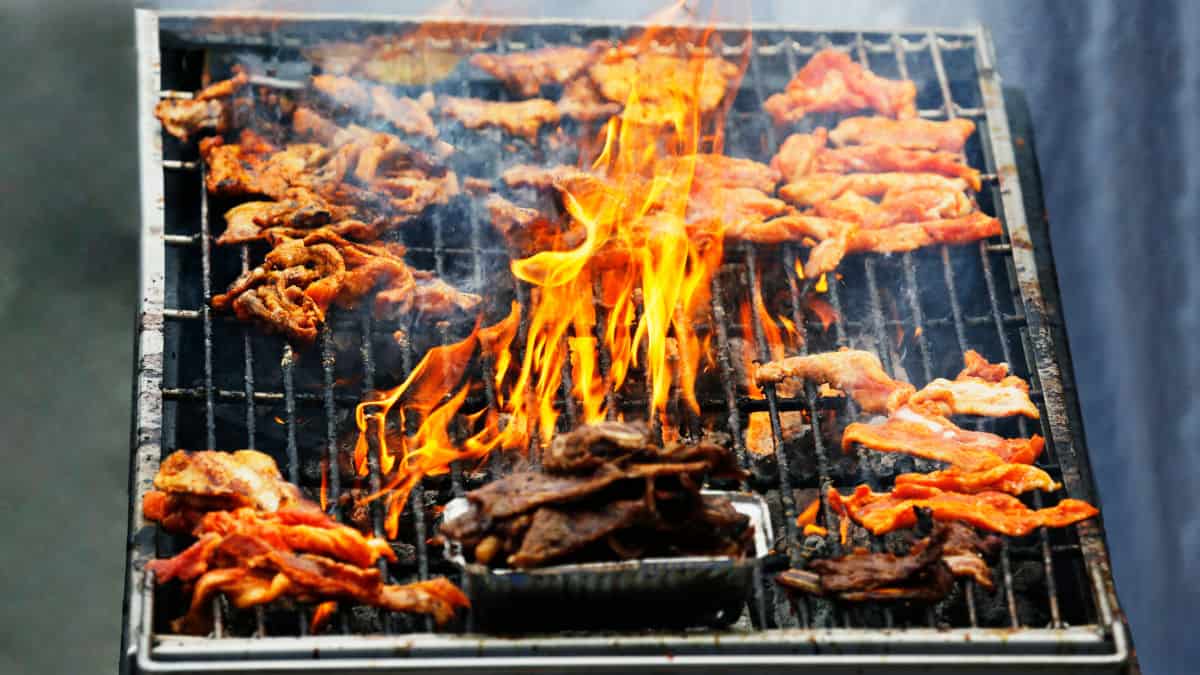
(960, 332)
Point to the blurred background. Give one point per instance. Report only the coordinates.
(1113, 95)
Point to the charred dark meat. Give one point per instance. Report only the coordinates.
(923, 574)
(604, 492)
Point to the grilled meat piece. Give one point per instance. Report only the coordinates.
(712, 171)
(605, 490)
(922, 432)
(592, 445)
(519, 118)
(914, 134)
(661, 79)
(882, 512)
(898, 207)
(797, 156)
(378, 102)
(858, 373)
(981, 388)
(253, 167)
(254, 221)
(429, 295)
(251, 530)
(556, 531)
(524, 73)
(223, 480)
(290, 291)
(251, 571)
(404, 59)
(832, 82)
(208, 110)
(1010, 478)
(581, 100)
(816, 188)
(882, 158)
(912, 236)
(924, 573)
(540, 178)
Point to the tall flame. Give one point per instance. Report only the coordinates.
(634, 290)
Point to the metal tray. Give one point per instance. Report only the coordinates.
(661, 592)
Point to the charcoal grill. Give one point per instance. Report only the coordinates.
(204, 381)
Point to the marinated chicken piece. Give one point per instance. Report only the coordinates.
(428, 295)
(527, 231)
(253, 167)
(540, 178)
(822, 187)
(860, 374)
(709, 171)
(298, 210)
(207, 110)
(580, 100)
(524, 73)
(912, 236)
(308, 531)
(797, 156)
(968, 394)
(378, 102)
(519, 118)
(1013, 479)
(914, 134)
(251, 571)
(884, 158)
(882, 512)
(832, 82)
(661, 79)
(290, 291)
(740, 208)
(222, 480)
(922, 432)
(403, 59)
(898, 207)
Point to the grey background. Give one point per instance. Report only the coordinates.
(1114, 99)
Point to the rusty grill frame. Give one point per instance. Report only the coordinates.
(1101, 645)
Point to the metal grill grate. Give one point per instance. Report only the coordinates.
(225, 385)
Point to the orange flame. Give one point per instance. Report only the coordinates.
(640, 261)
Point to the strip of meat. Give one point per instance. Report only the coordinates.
(923, 433)
(189, 564)
(912, 236)
(878, 158)
(816, 188)
(661, 80)
(1013, 479)
(205, 111)
(403, 113)
(322, 536)
(797, 156)
(428, 296)
(981, 388)
(914, 134)
(975, 396)
(713, 171)
(241, 478)
(524, 73)
(833, 82)
(557, 532)
(581, 101)
(299, 210)
(897, 207)
(540, 178)
(253, 167)
(858, 373)
(863, 570)
(992, 511)
(519, 118)
(590, 446)
(744, 209)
